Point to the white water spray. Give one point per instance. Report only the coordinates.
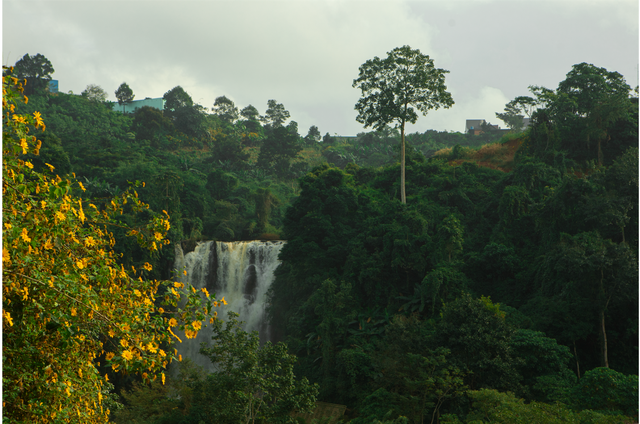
(241, 272)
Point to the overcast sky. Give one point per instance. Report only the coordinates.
(306, 53)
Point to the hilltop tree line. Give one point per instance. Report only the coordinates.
(228, 174)
(491, 294)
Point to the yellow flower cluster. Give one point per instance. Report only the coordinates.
(64, 292)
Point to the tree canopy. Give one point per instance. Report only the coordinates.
(225, 109)
(515, 110)
(36, 70)
(394, 89)
(276, 114)
(95, 93)
(186, 115)
(124, 94)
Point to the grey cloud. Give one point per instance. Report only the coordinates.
(305, 54)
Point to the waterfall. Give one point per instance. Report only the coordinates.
(241, 272)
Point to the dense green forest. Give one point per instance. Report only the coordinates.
(225, 175)
(504, 290)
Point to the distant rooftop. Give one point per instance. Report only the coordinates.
(130, 107)
(474, 124)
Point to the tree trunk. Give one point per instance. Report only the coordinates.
(605, 350)
(599, 152)
(605, 355)
(403, 195)
(575, 353)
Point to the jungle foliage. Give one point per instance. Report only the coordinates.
(504, 289)
(224, 175)
(251, 383)
(486, 282)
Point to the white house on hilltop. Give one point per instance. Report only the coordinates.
(137, 104)
(475, 125)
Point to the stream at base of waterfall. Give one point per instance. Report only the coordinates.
(241, 272)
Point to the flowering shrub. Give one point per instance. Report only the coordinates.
(67, 305)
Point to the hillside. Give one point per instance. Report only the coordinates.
(499, 155)
(508, 279)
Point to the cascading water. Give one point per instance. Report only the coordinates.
(241, 272)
